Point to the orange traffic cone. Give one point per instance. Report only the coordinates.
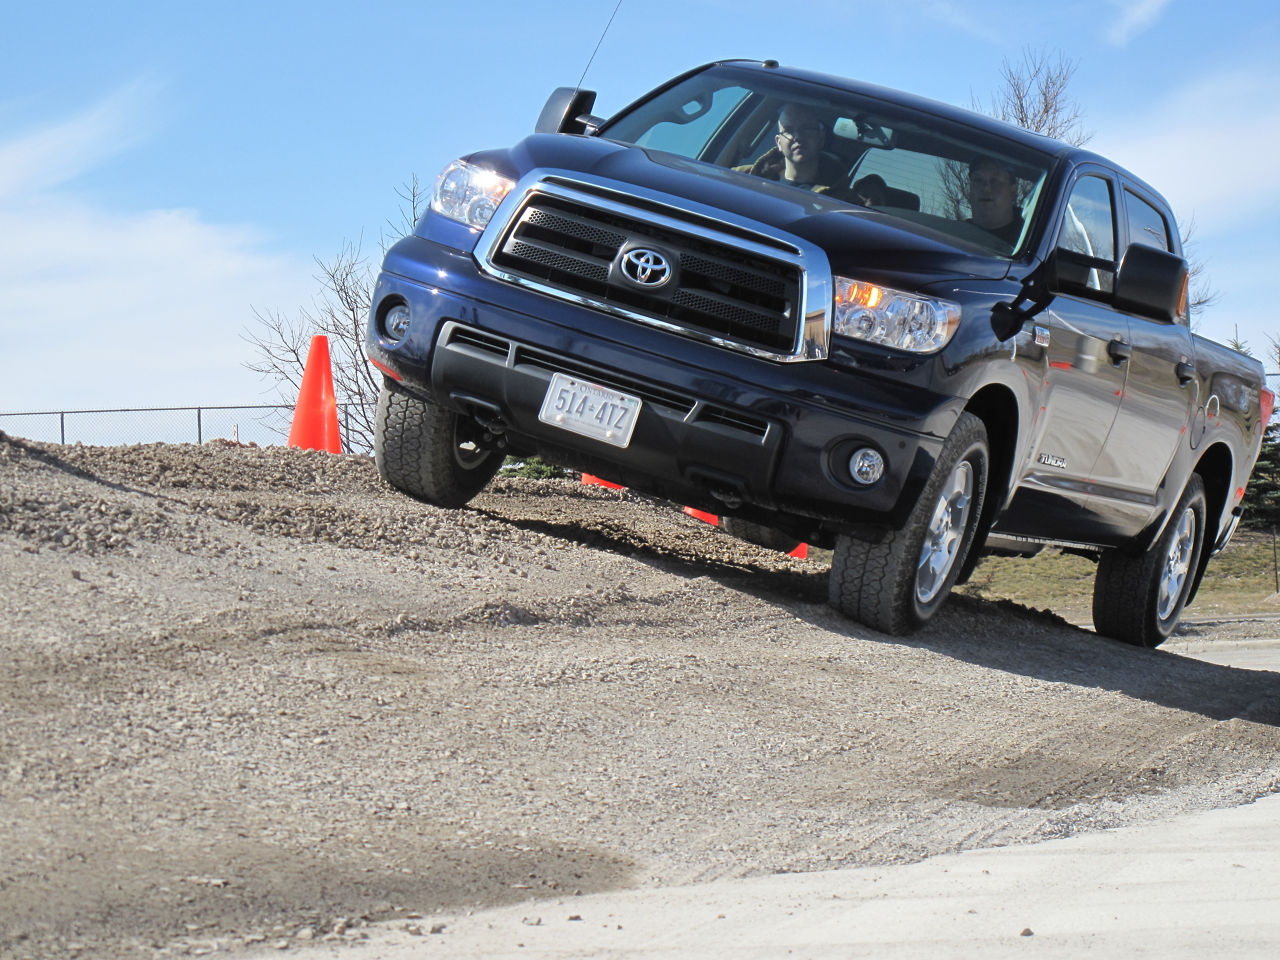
(702, 515)
(315, 418)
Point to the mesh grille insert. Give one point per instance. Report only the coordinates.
(721, 290)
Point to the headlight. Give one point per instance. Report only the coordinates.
(890, 317)
(469, 194)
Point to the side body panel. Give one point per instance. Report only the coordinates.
(1080, 395)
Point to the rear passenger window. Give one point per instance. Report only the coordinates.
(917, 180)
(1146, 223)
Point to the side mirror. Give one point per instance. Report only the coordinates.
(1152, 282)
(1008, 318)
(566, 110)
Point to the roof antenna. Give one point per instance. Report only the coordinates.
(598, 42)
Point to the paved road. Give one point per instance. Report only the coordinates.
(1199, 885)
(1261, 654)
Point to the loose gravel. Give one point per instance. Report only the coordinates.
(253, 696)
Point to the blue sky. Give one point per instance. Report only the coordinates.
(166, 169)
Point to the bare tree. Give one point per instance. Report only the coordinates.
(412, 203)
(340, 312)
(1201, 294)
(1033, 95)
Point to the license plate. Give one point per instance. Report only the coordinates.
(590, 410)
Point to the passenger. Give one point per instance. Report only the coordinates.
(797, 158)
(871, 191)
(993, 199)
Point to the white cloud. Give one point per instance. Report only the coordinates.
(959, 17)
(104, 308)
(1208, 146)
(1133, 17)
(970, 20)
(57, 152)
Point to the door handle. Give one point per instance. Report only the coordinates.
(1185, 371)
(1119, 352)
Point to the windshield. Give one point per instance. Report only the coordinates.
(881, 156)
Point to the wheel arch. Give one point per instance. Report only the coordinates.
(997, 407)
(1215, 467)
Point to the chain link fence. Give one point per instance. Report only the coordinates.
(264, 424)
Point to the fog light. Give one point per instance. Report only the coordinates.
(866, 466)
(396, 322)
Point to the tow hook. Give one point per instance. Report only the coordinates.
(494, 433)
(729, 498)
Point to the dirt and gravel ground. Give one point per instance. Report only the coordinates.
(254, 697)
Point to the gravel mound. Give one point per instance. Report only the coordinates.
(255, 696)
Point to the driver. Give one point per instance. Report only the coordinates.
(797, 158)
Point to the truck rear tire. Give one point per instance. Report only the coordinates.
(760, 535)
(1138, 599)
(897, 584)
(429, 452)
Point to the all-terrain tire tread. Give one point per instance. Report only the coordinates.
(1117, 586)
(1124, 587)
(862, 577)
(414, 452)
(874, 583)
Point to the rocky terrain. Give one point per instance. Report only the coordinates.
(253, 697)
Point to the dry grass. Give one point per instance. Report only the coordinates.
(1240, 580)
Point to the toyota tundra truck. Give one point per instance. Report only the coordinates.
(864, 363)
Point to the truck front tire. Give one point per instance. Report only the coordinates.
(1138, 599)
(430, 453)
(898, 583)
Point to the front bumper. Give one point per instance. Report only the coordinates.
(720, 431)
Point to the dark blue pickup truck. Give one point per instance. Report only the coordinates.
(833, 313)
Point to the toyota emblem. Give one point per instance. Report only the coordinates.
(645, 267)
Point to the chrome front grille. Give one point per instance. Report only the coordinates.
(565, 245)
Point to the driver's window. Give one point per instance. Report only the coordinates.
(694, 122)
(1089, 229)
